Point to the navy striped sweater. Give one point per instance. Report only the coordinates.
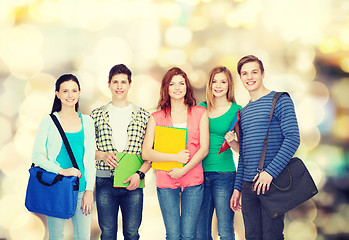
(283, 137)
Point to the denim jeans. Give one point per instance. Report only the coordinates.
(81, 224)
(180, 211)
(258, 224)
(108, 200)
(218, 188)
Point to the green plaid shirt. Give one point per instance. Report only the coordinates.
(135, 131)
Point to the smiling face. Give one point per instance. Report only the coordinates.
(68, 93)
(220, 85)
(177, 88)
(251, 76)
(119, 86)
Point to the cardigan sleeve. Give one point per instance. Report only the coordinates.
(38, 157)
(90, 151)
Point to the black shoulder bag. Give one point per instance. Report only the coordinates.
(293, 186)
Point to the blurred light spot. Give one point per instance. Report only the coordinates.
(170, 11)
(217, 10)
(6, 130)
(172, 57)
(340, 93)
(344, 36)
(41, 83)
(329, 158)
(198, 79)
(341, 127)
(344, 64)
(28, 227)
(199, 23)
(44, 11)
(189, 2)
(300, 230)
(310, 138)
(319, 91)
(7, 19)
(11, 163)
(306, 212)
(316, 172)
(145, 36)
(299, 23)
(11, 206)
(34, 107)
(11, 99)
(24, 141)
(22, 51)
(329, 45)
(201, 56)
(145, 91)
(178, 36)
(327, 199)
(310, 113)
(90, 15)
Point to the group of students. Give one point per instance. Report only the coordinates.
(187, 196)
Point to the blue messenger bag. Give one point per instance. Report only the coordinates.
(53, 194)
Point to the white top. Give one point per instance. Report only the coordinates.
(180, 125)
(119, 119)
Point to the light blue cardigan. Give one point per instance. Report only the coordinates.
(49, 139)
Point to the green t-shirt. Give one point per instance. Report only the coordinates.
(219, 126)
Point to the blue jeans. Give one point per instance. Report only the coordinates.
(108, 200)
(258, 224)
(81, 224)
(218, 188)
(180, 211)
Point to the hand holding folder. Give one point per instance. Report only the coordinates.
(128, 165)
(169, 140)
(225, 145)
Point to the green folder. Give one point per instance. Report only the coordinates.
(128, 165)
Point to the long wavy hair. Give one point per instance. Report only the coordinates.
(209, 94)
(165, 101)
(57, 104)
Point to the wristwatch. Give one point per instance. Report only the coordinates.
(141, 175)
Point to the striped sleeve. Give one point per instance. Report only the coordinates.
(285, 113)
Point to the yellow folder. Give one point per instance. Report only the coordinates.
(128, 165)
(169, 140)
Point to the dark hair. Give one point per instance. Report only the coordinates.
(209, 93)
(165, 101)
(57, 104)
(247, 59)
(120, 69)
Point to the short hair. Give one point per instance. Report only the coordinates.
(120, 69)
(209, 93)
(165, 101)
(247, 59)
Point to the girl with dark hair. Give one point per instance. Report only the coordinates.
(219, 169)
(179, 190)
(51, 154)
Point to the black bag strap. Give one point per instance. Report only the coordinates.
(264, 150)
(65, 140)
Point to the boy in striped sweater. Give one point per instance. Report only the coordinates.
(282, 145)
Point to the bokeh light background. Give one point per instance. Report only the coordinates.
(303, 44)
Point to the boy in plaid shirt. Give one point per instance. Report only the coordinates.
(120, 127)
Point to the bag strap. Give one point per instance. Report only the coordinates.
(264, 150)
(65, 140)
